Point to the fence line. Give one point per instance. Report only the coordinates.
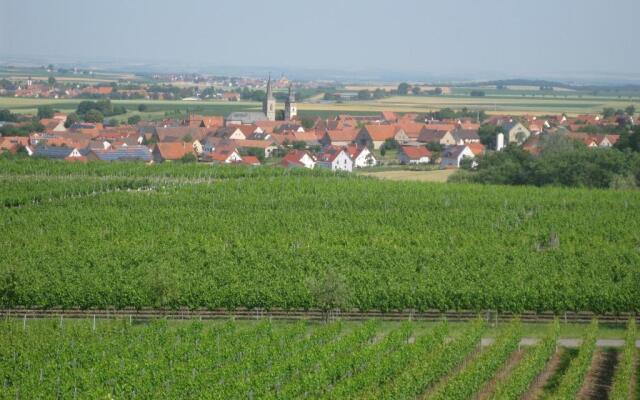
(314, 314)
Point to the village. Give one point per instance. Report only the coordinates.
(342, 143)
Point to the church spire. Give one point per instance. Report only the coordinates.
(269, 91)
(269, 103)
(290, 109)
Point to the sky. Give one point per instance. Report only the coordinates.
(513, 38)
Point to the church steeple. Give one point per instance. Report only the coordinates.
(269, 103)
(290, 109)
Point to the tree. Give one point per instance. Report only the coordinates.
(364, 94)
(608, 112)
(279, 115)
(437, 91)
(299, 145)
(403, 89)
(142, 107)
(630, 110)
(133, 120)
(188, 158)
(329, 290)
(390, 144)
(379, 93)
(187, 138)
(93, 116)
(307, 122)
(416, 90)
(52, 81)
(630, 141)
(72, 118)
(7, 116)
(487, 133)
(45, 112)
(477, 93)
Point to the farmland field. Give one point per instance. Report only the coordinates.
(197, 236)
(572, 105)
(421, 176)
(268, 360)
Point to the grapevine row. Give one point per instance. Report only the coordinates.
(479, 371)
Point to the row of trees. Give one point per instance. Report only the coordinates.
(562, 162)
(404, 89)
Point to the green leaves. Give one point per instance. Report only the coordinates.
(198, 236)
(572, 379)
(622, 380)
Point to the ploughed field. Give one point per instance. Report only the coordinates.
(197, 236)
(263, 360)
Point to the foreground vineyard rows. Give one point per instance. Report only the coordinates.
(266, 360)
(116, 236)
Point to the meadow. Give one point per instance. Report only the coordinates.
(197, 236)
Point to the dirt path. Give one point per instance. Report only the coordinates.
(597, 383)
(537, 388)
(488, 390)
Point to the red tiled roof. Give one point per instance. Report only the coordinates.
(389, 116)
(381, 133)
(262, 144)
(294, 157)
(344, 135)
(416, 152)
(476, 148)
(174, 150)
(250, 160)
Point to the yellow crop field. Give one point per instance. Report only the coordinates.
(440, 176)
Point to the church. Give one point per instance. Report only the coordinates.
(269, 104)
(268, 109)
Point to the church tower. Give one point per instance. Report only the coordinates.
(290, 109)
(269, 103)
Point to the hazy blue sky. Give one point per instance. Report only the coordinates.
(514, 37)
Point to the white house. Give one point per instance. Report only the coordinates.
(361, 157)
(335, 160)
(452, 157)
(298, 159)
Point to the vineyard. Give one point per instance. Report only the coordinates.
(264, 360)
(201, 237)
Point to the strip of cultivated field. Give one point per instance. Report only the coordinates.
(275, 238)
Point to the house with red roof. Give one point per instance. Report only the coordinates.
(298, 159)
(342, 137)
(335, 159)
(390, 117)
(250, 160)
(223, 156)
(13, 143)
(374, 136)
(361, 156)
(442, 136)
(476, 148)
(53, 125)
(414, 155)
(171, 151)
(266, 146)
